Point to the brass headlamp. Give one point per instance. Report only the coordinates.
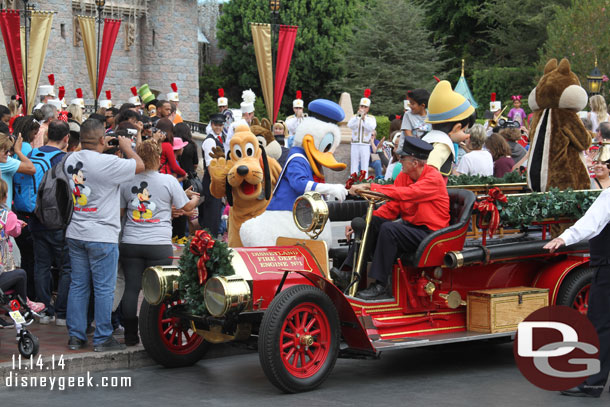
(158, 282)
(310, 213)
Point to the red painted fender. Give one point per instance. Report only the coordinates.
(352, 330)
(552, 276)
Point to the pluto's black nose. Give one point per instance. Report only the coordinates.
(242, 170)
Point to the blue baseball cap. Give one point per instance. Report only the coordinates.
(326, 110)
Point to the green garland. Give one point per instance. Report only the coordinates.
(523, 210)
(219, 264)
(510, 178)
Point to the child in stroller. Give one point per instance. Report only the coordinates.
(13, 281)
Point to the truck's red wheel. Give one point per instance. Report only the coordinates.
(169, 340)
(574, 290)
(299, 339)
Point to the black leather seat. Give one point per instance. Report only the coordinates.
(461, 202)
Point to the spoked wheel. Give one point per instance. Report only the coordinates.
(574, 290)
(581, 302)
(28, 345)
(299, 339)
(168, 339)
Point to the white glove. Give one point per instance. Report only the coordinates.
(333, 191)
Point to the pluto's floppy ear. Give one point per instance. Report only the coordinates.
(229, 192)
(266, 174)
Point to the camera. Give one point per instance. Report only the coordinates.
(508, 124)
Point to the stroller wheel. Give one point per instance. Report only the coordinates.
(28, 345)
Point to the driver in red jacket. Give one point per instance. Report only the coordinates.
(420, 200)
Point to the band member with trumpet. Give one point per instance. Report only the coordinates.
(363, 129)
(419, 199)
(494, 114)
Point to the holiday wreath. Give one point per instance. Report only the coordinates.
(204, 258)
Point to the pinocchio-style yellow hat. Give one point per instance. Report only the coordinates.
(446, 105)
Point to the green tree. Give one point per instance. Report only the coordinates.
(209, 82)
(390, 53)
(324, 28)
(581, 34)
(516, 30)
(456, 24)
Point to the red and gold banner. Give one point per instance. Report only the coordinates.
(285, 47)
(9, 25)
(111, 30)
(261, 36)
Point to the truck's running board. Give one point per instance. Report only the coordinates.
(440, 339)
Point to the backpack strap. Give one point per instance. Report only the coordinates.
(61, 164)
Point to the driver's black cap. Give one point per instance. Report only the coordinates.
(414, 147)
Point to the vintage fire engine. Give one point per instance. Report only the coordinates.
(452, 289)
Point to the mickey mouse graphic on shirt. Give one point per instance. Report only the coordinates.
(80, 191)
(143, 206)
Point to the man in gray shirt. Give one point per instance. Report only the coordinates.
(93, 233)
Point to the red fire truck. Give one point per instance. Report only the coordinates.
(452, 289)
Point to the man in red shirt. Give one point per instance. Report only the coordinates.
(420, 200)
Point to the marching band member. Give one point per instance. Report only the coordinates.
(363, 129)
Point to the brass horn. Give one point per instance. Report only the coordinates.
(493, 122)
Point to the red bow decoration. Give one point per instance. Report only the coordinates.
(488, 206)
(357, 178)
(517, 97)
(221, 92)
(201, 243)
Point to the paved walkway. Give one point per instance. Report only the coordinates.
(53, 342)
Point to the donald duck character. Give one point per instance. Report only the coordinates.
(315, 140)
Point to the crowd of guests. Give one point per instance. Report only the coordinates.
(498, 146)
(132, 201)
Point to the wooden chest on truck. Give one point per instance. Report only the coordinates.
(502, 309)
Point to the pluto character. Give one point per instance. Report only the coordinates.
(246, 179)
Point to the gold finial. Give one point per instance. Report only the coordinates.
(596, 61)
(462, 67)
